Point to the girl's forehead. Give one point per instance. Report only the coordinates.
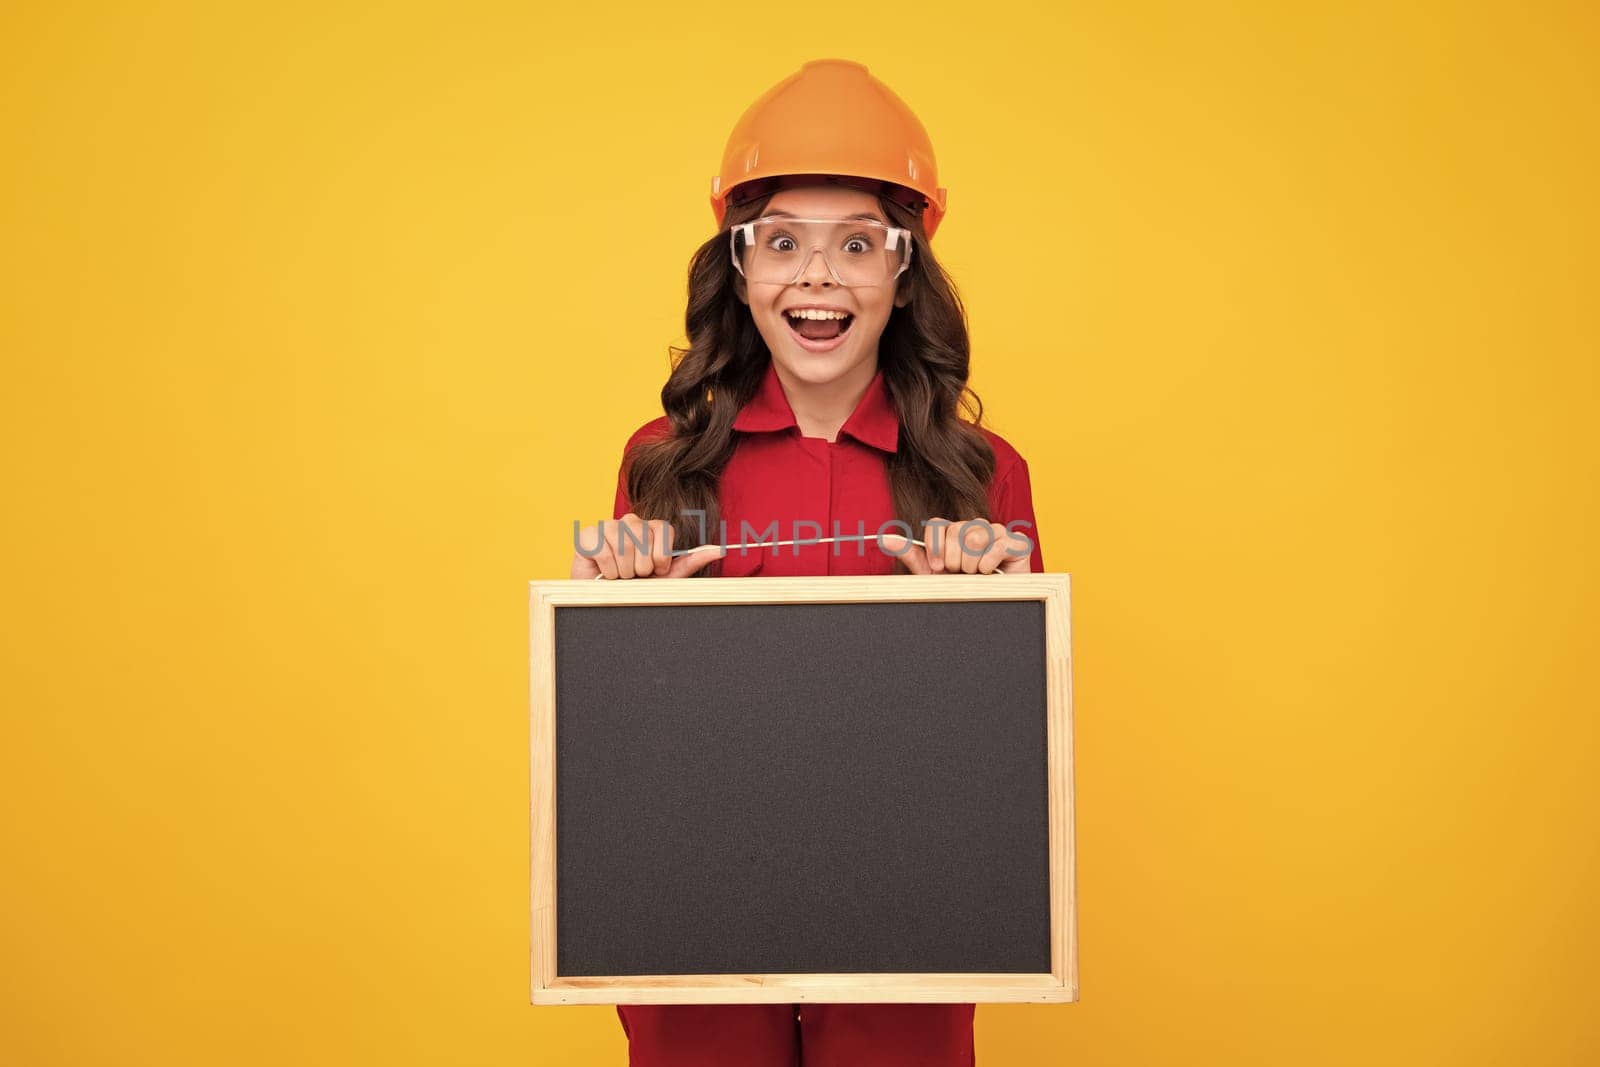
(825, 200)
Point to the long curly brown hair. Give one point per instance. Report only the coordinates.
(943, 463)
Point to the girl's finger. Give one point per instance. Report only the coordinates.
(628, 557)
(583, 567)
(975, 543)
(619, 547)
(1014, 564)
(660, 546)
(935, 535)
(952, 548)
(914, 558)
(643, 558)
(583, 564)
(606, 557)
(683, 566)
(997, 552)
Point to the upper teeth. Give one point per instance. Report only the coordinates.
(818, 313)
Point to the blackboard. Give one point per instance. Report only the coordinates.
(807, 789)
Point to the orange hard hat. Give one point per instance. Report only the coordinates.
(832, 121)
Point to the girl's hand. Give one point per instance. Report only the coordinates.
(619, 556)
(974, 547)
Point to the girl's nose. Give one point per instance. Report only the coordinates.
(817, 270)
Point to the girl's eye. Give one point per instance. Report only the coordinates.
(782, 243)
(858, 245)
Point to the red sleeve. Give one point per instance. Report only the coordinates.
(1011, 504)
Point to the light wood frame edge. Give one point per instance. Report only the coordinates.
(1061, 985)
(542, 784)
(1058, 740)
(808, 988)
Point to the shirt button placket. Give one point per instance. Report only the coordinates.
(813, 498)
(827, 504)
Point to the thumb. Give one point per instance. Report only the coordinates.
(683, 566)
(915, 559)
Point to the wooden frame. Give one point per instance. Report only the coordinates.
(1060, 985)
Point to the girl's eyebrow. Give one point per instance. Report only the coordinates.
(864, 216)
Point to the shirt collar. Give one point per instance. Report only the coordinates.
(873, 422)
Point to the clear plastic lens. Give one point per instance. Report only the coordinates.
(778, 249)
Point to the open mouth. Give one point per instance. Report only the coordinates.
(819, 330)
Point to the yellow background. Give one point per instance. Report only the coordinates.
(321, 325)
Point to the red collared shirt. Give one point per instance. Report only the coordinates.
(812, 488)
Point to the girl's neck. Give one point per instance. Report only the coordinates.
(820, 410)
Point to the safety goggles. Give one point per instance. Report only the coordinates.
(778, 249)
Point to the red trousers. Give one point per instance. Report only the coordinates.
(823, 1035)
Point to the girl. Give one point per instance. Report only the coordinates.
(819, 402)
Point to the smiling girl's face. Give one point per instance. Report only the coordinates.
(822, 350)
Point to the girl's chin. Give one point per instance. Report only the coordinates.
(814, 369)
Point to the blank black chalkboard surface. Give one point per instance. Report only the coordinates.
(766, 790)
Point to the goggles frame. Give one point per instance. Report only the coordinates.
(895, 237)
